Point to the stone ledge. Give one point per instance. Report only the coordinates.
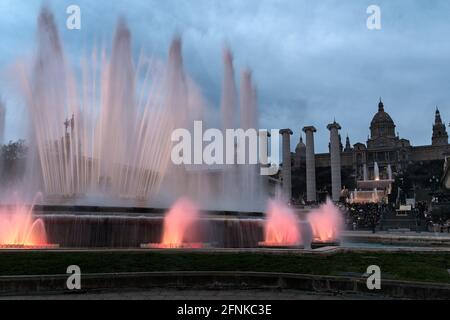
(46, 284)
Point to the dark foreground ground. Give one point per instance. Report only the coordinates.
(420, 267)
(173, 294)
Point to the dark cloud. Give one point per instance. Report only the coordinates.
(312, 60)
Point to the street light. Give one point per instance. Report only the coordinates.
(434, 183)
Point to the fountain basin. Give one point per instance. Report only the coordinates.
(174, 246)
(29, 247)
(131, 228)
(133, 231)
(275, 245)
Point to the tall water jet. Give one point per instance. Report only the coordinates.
(180, 225)
(250, 179)
(187, 179)
(389, 172)
(108, 131)
(47, 92)
(376, 172)
(326, 222)
(375, 198)
(365, 174)
(117, 122)
(281, 226)
(106, 138)
(229, 121)
(228, 106)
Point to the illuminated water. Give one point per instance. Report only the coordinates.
(19, 228)
(108, 130)
(105, 134)
(281, 225)
(326, 222)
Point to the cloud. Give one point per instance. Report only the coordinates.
(312, 60)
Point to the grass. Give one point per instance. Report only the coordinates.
(398, 266)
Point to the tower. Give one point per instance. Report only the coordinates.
(348, 146)
(440, 135)
(300, 153)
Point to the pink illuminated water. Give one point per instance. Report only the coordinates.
(179, 223)
(281, 226)
(106, 130)
(19, 228)
(326, 222)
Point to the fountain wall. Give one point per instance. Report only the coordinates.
(90, 231)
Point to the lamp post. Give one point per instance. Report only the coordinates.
(434, 183)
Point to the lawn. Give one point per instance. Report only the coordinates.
(399, 266)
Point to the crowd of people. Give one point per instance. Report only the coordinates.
(372, 216)
(365, 216)
(380, 216)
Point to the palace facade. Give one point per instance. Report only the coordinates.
(384, 147)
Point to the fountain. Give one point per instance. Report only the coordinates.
(375, 197)
(365, 174)
(373, 191)
(19, 229)
(326, 222)
(116, 138)
(281, 226)
(376, 172)
(103, 137)
(179, 223)
(116, 141)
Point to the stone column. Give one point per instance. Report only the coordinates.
(310, 164)
(286, 173)
(335, 156)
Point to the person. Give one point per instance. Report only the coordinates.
(382, 216)
(373, 222)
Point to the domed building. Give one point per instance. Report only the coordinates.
(383, 147)
(382, 129)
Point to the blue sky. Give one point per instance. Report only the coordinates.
(312, 60)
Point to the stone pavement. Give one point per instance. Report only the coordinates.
(173, 294)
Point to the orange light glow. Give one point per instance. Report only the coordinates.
(281, 228)
(18, 228)
(326, 222)
(179, 222)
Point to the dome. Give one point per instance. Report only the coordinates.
(382, 116)
(382, 123)
(300, 145)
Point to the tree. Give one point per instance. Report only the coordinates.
(13, 161)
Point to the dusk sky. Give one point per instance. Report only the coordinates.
(312, 61)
